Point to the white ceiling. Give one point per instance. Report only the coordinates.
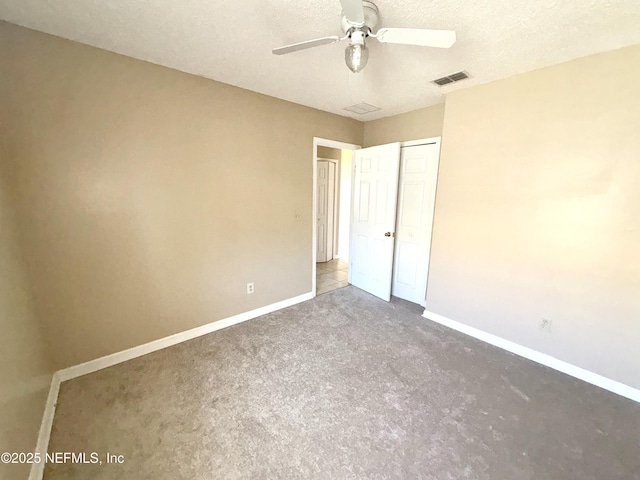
(231, 42)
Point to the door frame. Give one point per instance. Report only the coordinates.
(320, 142)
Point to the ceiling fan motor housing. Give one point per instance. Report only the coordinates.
(371, 18)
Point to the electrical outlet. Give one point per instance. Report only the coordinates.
(297, 217)
(250, 288)
(545, 324)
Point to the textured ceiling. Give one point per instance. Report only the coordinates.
(231, 42)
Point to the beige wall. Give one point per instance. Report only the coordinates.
(25, 368)
(148, 198)
(330, 153)
(415, 125)
(538, 212)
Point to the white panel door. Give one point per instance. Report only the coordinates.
(417, 191)
(322, 211)
(373, 218)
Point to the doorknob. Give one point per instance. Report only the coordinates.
(388, 234)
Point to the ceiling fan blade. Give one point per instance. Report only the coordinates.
(353, 11)
(417, 36)
(294, 47)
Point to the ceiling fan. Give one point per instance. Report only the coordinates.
(359, 19)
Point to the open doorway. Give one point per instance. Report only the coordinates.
(332, 184)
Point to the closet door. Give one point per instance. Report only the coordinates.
(416, 199)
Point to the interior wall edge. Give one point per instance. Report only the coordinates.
(42, 445)
(26, 365)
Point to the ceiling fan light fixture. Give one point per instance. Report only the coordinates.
(356, 55)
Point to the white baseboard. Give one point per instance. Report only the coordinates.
(37, 469)
(542, 358)
(134, 352)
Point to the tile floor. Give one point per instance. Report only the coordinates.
(331, 275)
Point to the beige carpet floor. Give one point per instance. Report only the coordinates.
(344, 386)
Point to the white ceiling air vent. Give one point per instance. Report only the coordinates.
(362, 108)
(454, 77)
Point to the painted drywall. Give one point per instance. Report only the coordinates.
(538, 212)
(329, 153)
(422, 123)
(147, 197)
(25, 367)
